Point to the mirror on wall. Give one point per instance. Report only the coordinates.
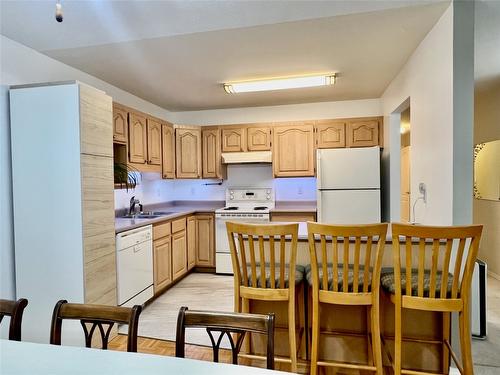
(487, 170)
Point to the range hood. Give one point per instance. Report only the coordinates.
(247, 157)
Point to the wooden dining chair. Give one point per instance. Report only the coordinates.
(345, 270)
(420, 280)
(96, 316)
(264, 264)
(14, 310)
(225, 324)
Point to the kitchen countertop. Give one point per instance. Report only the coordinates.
(295, 206)
(183, 208)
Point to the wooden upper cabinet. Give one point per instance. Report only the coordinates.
(120, 124)
(293, 149)
(205, 252)
(154, 141)
(362, 133)
(167, 150)
(233, 139)
(188, 152)
(330, 134)
(259, 138)
(137, 144)
(211, 155)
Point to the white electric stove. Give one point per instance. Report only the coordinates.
(247, 205)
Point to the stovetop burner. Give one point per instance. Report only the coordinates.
(232, 208)
(260, 208)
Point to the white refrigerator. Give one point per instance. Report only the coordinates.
(348, 185)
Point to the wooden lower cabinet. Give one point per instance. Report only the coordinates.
(205, 250)
(293, 216)
(162, 254)
(191, 242)
(179, 261)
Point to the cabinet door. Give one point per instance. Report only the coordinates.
(179, 261)
(205, 254)
(188, 153)
(362, 133)
(167, 151)
(120, 125)
(211, 159)
(137, 138)
(293, 146)
(154, 142)
(233, 140)
(330, 134)
(258, 138)
(191, 242)
(162, 254)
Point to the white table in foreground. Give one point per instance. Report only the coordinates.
(29, 358)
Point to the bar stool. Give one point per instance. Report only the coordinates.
(413, 285)
(13, 309)
(341, 278)
(264, 265)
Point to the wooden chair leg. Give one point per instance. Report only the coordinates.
(465, 340)
(291, 333)
(446, 337)
(376, 341)
(397, 339)
(314, 335)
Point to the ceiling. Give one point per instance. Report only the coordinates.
(177, 54)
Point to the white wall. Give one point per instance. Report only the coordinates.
(291, 112)
(429, 82)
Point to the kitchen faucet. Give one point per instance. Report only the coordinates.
(133, 202)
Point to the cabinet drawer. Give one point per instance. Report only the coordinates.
(178, 225)
(161, 230)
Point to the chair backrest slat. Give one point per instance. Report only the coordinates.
(272, 250)
(433, 279)
(349, 272)
(261, 271)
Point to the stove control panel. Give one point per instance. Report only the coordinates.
(250, 195)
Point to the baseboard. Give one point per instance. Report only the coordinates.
(494, 275)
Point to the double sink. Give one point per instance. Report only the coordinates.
(147, 215)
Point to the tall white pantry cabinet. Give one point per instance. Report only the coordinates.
(63, 201)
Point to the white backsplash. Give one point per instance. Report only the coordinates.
(152, 189)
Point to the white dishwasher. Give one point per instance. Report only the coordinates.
(134, 266)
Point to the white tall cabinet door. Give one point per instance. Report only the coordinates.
(62, 177)
(349, 206)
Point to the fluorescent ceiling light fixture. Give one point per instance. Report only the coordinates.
(280, 83)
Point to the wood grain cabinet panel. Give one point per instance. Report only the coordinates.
(154, 141)
(330, 134)
(120, 124)
(179, 261)
(188, 152)
(362, 133)
(233, 139)
(293, 149)
(162, 255)
(259, 138)
(191, 242)
(211, 155)
(205, 252)
(137, 143)
(167, 150)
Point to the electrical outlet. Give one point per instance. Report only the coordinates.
(423, 191)
(300, 191)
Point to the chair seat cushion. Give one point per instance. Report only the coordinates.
(387, 281)
(299, 275)
(340, 283)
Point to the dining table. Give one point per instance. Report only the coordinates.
(18, 357)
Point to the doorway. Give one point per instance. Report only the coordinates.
(405, 131)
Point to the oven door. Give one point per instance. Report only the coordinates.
(223, 263)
